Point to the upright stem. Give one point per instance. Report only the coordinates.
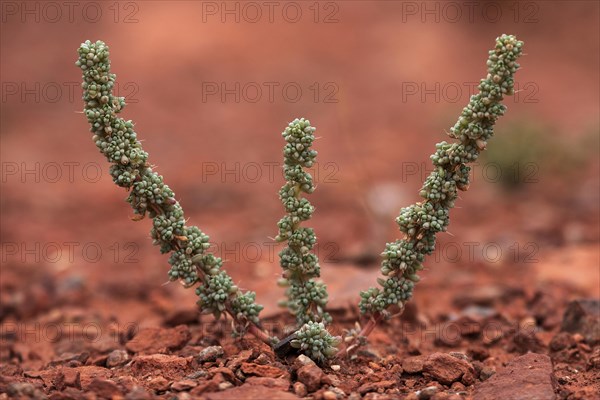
(306, 297)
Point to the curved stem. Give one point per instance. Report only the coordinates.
(191, 263)
(259, 333)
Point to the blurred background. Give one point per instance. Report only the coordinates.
(210, 86)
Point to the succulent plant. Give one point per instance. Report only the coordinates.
(314, 341)
(420, 222)
(190, 262)
(193, 265)
(306, 297)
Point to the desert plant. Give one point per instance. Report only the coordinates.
(193, 265)
(307, 297)
(190, 261)
(420, 222)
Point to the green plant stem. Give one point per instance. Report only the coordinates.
(423, 220)
(306, 297)
(191, 263)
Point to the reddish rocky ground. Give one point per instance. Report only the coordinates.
(502, 339)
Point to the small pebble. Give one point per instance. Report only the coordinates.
(486, 373)
(116, 358)
(210, 354)
(300, 389)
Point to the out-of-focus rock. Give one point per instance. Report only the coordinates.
(375, 386)
(117, 358)
(159, 340)
(300, 389)
(583, 316)
(158, 384)
(561, 341)
(267, 371)
(486, 373)
(413, 365)
(543, 306)
(138, 393)
(210, 354)
(527, 377)
(278, 383)
(185, 384)
(311, 376)
(170, 367)
(88, 373)
(104, 388)
(251, 392)
(447, 369)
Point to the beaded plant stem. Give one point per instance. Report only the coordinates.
(190, 262)
(306, 297)
(423, 220)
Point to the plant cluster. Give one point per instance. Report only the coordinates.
(192, 264)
